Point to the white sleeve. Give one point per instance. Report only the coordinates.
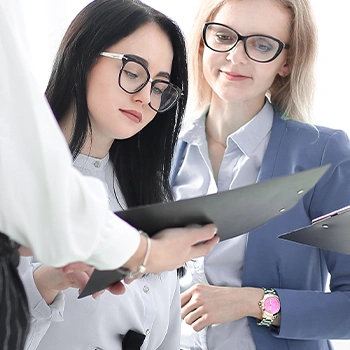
(46, 204)
(41, 314)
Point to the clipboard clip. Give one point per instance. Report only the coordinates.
(331, 214)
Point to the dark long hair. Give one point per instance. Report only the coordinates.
(141, 163)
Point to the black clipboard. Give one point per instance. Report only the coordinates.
(234, 212)
(330, 232)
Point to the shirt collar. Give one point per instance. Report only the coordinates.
(91, 163)
(194, 132)
(247, 137)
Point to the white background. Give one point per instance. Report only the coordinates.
(47, 20)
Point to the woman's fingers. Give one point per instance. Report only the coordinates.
(203, 248)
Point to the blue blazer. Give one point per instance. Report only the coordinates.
(309, 316)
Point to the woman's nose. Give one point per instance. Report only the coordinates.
(144, 95)
(237, 54)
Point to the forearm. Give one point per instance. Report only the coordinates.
(251, 297)
(138, 257)
(204, 305)
(41, 314)
(244, 302)
(42, 280)
(171, 248)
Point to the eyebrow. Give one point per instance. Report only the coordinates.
(162, 74)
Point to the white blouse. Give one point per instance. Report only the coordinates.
(151, 305)
(223, 266)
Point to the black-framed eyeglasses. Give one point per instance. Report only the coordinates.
(134, 76)
(258, 47)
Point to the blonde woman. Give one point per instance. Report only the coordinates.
(252, 78)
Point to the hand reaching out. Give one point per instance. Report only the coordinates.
(171, 248)
(117, 288)
(51, 280)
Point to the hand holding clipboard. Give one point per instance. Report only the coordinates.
(234, 213)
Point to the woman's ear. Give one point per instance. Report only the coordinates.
(285, 69)
(201, 48)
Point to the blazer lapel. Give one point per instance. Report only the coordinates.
(269, 162)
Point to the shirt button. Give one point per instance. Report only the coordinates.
(148, 331)
(145, 289)
(97, 164)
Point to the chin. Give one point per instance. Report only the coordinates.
(126, 135)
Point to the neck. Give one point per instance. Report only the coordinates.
(94, 146)
(91, 149)
(215, 141)
(225, 118)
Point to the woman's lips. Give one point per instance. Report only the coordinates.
(234, 76)
(133, 115)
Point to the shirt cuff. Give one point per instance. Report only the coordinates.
(37, 305)
(118, 244)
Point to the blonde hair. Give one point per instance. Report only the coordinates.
(293, 94)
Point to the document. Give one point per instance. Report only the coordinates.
(330, 232)
(234, 212)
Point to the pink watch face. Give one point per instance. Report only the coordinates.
(272, 305)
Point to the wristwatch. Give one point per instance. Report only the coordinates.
(270, 307)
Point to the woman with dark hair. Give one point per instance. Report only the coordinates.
(118, 90)
(95, 30)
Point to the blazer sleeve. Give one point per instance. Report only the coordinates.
(307, 314)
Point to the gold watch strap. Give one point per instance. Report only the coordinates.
(266, 321)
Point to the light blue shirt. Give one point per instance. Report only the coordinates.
(223, 266)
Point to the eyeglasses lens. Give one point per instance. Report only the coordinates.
(222, 39)
(134, 77)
